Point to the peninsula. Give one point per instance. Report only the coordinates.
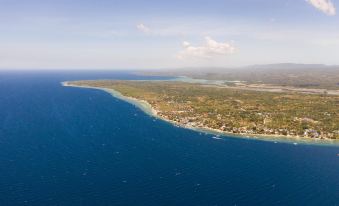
(232, 110)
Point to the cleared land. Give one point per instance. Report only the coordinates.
(233, 110)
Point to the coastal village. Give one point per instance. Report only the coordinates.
(188, 118)
(232, 111)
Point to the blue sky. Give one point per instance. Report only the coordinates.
(103, 34)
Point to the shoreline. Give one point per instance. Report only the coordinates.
(149, 110)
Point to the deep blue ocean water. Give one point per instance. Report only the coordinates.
(73, 146)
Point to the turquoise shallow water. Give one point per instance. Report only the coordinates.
(72, 146)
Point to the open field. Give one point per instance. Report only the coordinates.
(285, 75)
(257, 87)
(233, 110)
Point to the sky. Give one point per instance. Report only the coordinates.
(152, 34)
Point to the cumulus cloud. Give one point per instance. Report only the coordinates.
(325, 6)
(210, 49)
(143, 28)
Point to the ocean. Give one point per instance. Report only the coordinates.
(74, 146)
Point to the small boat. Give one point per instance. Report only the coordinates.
(216, 137)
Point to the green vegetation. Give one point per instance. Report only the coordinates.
(233, 110)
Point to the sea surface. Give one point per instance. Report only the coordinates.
(75, 146)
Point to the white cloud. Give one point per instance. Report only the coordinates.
(143, 28)
(210, 49)
(325, 6)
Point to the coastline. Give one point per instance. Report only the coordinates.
(141, 104)
(149, 110)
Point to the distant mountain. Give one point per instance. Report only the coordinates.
(283, 66)
(291, 66)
